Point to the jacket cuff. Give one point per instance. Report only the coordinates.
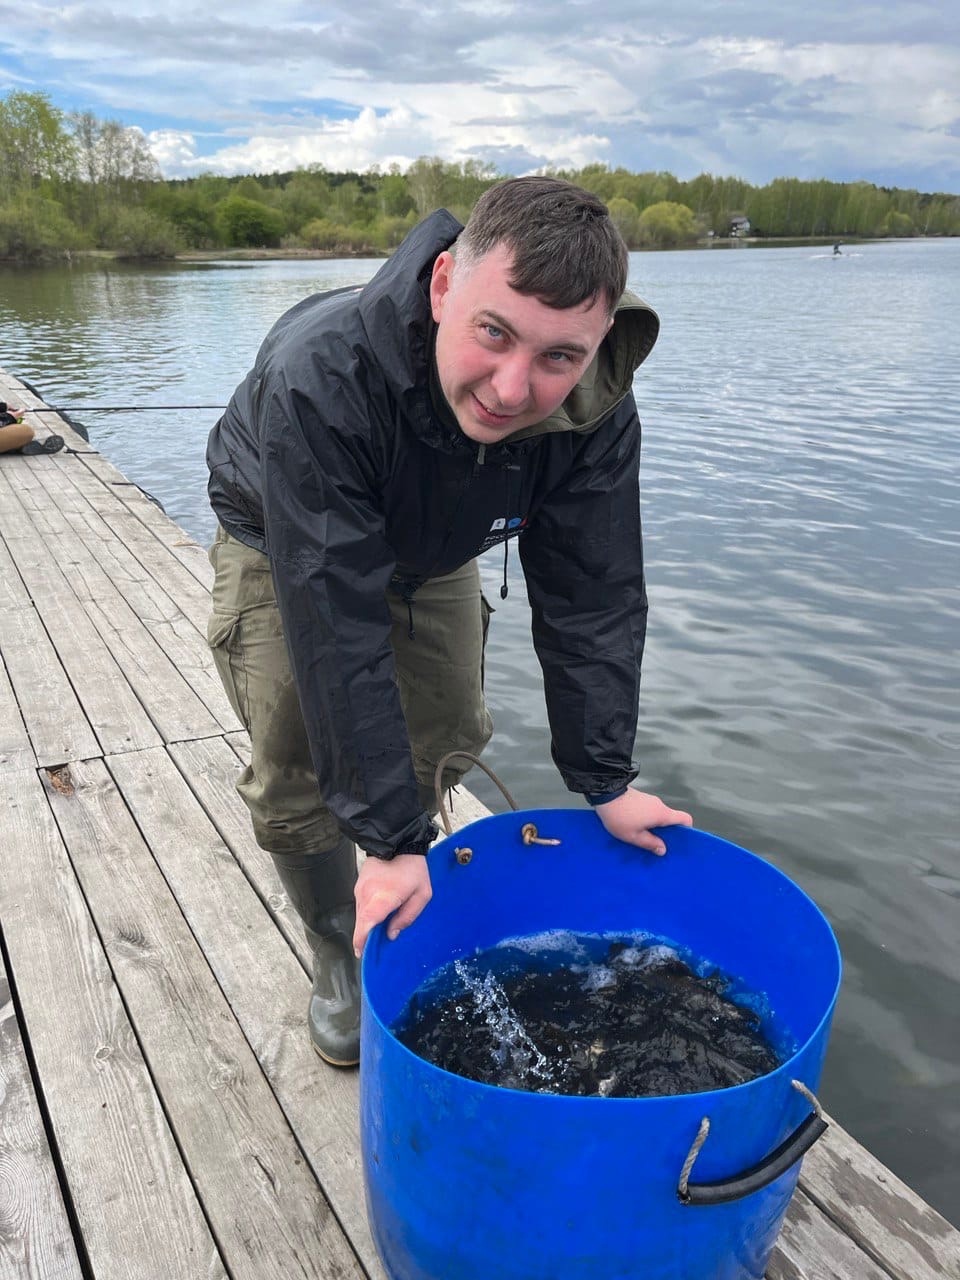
(598, 783)
(604, 797)
(420, 846)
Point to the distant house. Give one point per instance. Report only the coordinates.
(739, 225)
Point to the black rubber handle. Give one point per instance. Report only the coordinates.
(760, 1175)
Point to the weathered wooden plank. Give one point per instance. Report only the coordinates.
(21, 397)
(41, 699)
(171, 703)
(264, 1206)
(13, 594)
(110, 477)
(265, 984)
(47, 498)
(133, 1199)
(145, 529)
(174, 708)
(83, 488)
(107, 489)
(54, 719)
(111, 706)
(180, 638)
(186, 550)
(36, 1242)
(811, 1247)
(239, 743)
(191, 595)
(164, 693)
(15, 749)
(893, 1225)
(210, 770)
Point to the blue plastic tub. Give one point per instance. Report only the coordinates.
(467, 1181)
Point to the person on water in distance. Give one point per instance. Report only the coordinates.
(477, 390)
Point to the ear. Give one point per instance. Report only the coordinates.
(440, 282)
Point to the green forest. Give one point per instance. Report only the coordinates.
(71, 183)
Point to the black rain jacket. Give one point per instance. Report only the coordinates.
(334, 459)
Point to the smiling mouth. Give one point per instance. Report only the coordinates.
(489, 413)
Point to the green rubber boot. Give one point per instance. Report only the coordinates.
(320, 887)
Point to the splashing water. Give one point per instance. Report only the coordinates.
(634, 1021)
(516, 1055)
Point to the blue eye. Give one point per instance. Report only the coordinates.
(557, 357)
(493, 331)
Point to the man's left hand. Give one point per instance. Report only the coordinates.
(631, 816)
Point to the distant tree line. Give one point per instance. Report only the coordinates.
(70, 182)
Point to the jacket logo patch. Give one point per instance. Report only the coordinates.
(501, 529)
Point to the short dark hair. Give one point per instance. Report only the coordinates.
(566, 248)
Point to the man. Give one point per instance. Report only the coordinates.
(478, 389)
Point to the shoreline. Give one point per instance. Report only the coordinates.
(256, 255)
(264, 254)
(714, 242)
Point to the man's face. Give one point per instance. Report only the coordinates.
(506, 360)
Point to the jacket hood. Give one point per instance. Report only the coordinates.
(609, 377)
(395, 305)
(395, 313)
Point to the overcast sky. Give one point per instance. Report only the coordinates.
(819, 88)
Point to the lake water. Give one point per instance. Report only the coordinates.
(802, 520)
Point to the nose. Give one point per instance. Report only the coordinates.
(511, 381)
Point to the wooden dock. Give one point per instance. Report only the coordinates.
(162, 1114)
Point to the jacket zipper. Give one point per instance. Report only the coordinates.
(471, 476)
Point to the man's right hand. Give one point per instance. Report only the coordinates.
(399, 888)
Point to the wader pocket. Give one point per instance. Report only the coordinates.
(486, 613)
(220, 632)
(220, 627)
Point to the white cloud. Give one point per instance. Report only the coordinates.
(751, 89)
(175, 152)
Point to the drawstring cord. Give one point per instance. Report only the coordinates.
(510, 474)
(411, 634)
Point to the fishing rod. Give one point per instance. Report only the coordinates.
(120, 408)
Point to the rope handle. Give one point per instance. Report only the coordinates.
(760, 1175)
(438, 784)
(528, 831)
